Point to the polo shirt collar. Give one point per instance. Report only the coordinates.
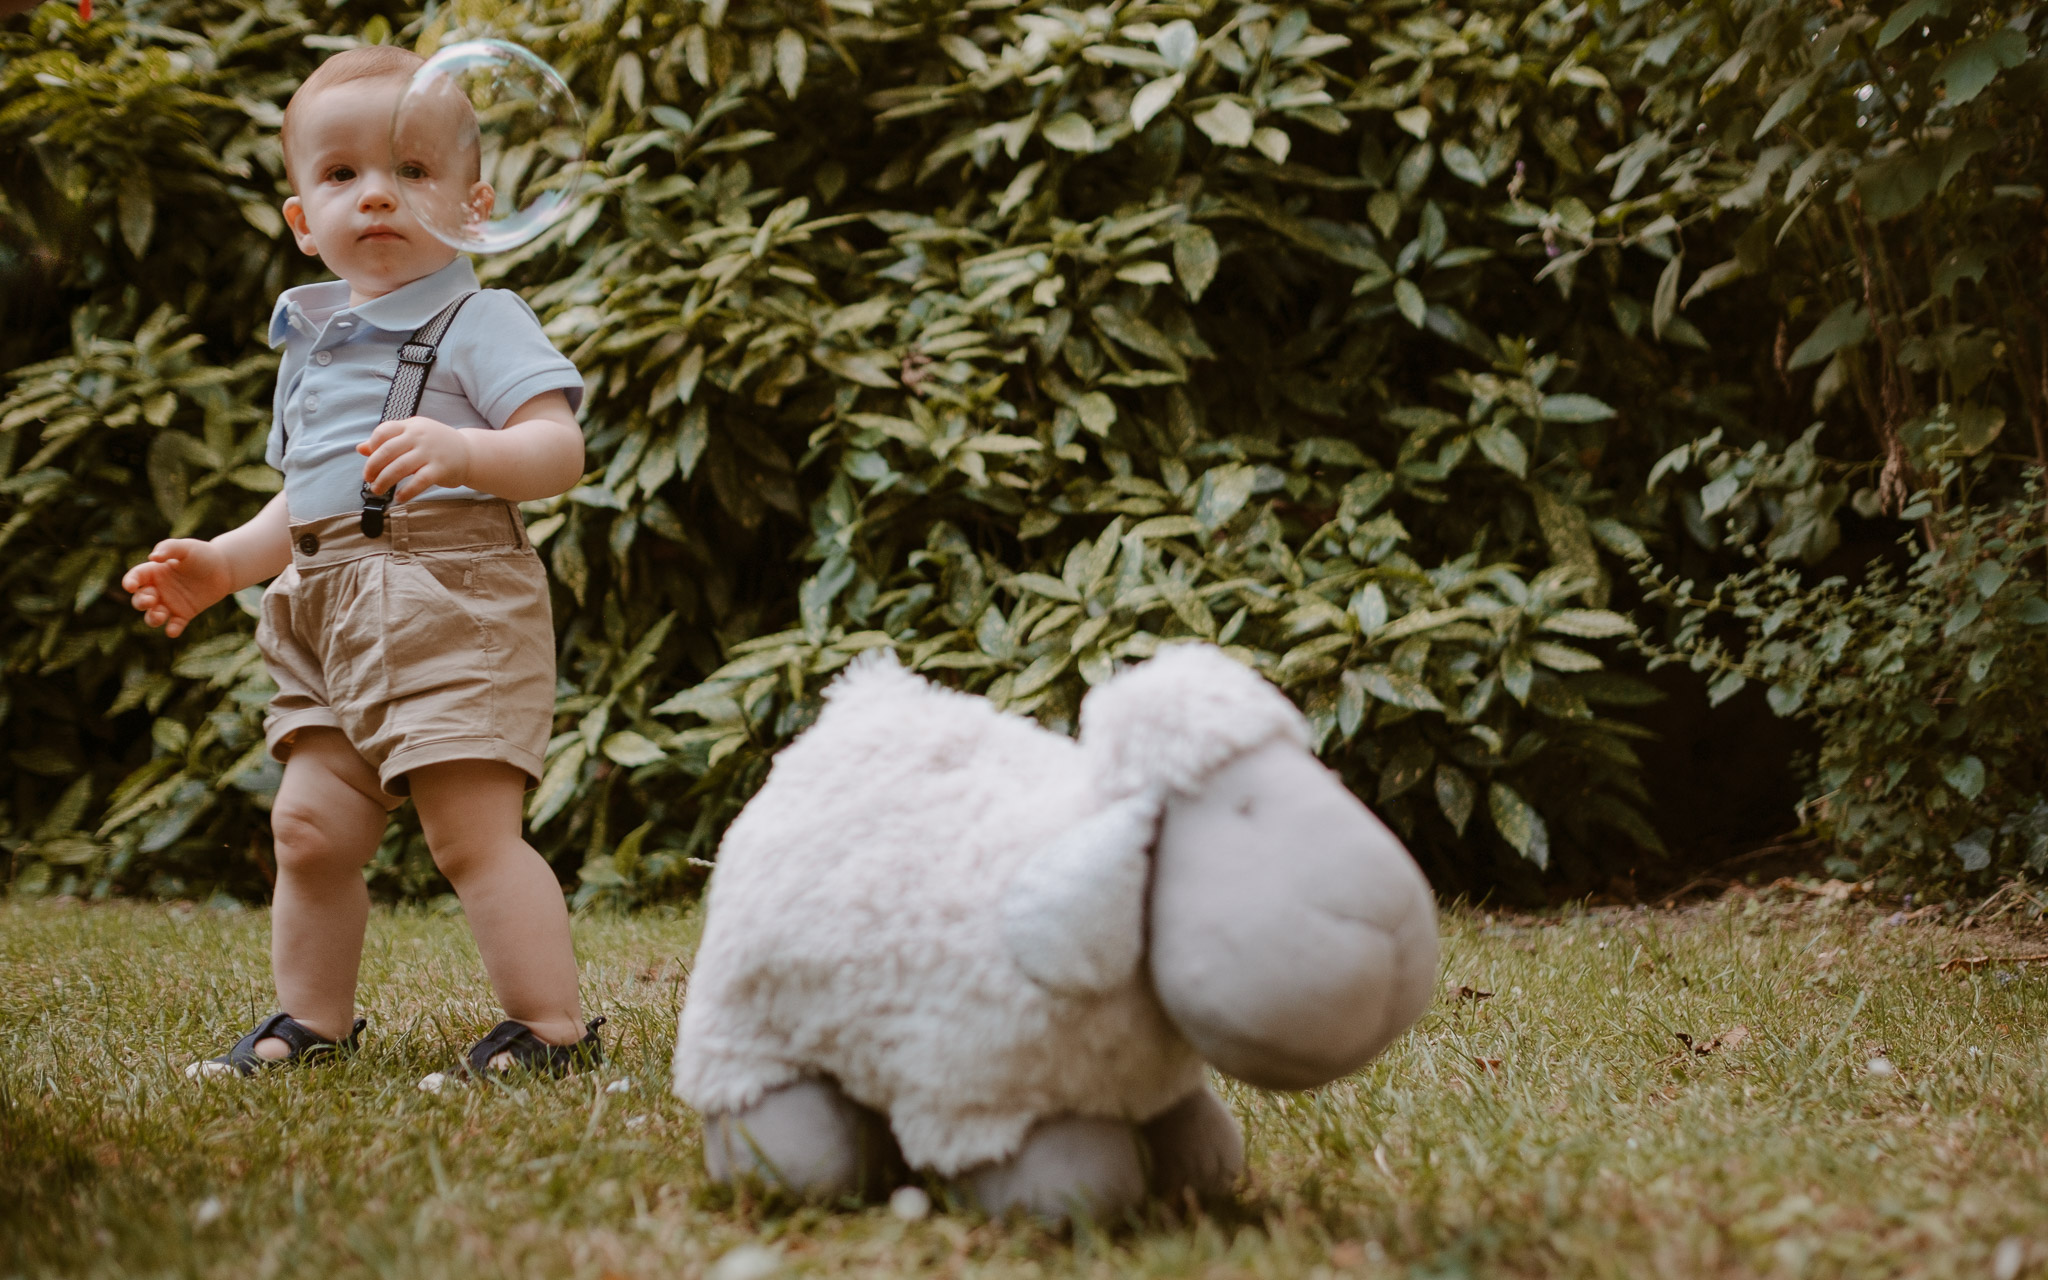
(402, 310)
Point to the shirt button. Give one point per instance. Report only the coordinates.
(309, 544)
(323, 357)
(312, 401)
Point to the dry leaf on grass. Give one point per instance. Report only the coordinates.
(1490, 1065)
(1965, 964)
(1826, 891)
(1732, 1038)
(1460, 991)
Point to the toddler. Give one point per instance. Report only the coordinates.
(413, 648)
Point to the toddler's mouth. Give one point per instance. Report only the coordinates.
(380, 233)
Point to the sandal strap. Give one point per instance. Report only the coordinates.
(531, 1053)
(306, 1044)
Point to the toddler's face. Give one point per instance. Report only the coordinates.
(348, 208)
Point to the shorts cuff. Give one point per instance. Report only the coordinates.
(278, 729)
(404, 760)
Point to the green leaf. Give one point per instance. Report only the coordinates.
(1097, 412)
(1385, 211)
(1966, 776)
(1153, 99)
(1046, 585)
(1456, 796)
(1227, 124)
(1588, 624)
(557, 784)
(135, 202)
(1178, 42)
(1846, 326)
(1665, 304)
(1129, 331)
(1793, 98)
(791, 58)
(1195, 257)
(1503, 448)
(1410, 301)
(1519, 824)
(1223, 494)
(1908, 15)
(1988, 577)
(1394, 688)
(1463, 164)
(631, 749)
(1573, 407)
(1975, 64)
(1070, 132)
(1562, 657)
(1968, 262)
(1897, 185)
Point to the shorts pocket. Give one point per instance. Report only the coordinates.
(436, 650)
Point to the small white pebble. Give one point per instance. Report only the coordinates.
(636, 1122)
(433, 1082)
(1631, 1144)
(1881, 1067)
(208, 1212)
(1602, 946)
(208, 1070)
(2008, 1258)
(618, 1086)
(1614, 991)
(748, 1262)
(910, 1204)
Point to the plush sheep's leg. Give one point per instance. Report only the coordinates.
(1196, 1146)
(1069, 1167)
(807, 1138)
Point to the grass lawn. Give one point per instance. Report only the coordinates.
(1558, 1127)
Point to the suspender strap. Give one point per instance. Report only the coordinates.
(415, 359)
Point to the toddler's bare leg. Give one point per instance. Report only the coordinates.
(470, 810)
(327, 820)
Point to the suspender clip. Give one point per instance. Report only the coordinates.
(374, 506)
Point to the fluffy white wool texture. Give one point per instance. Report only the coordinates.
(854, 926)
(1169, 723)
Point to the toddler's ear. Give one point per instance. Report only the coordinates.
(302, 231)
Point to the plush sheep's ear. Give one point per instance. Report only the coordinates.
(1073, 915)
(1168, 723)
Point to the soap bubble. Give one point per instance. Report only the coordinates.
(489, 146)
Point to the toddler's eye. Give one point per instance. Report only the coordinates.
(341, 173)
(411, 172)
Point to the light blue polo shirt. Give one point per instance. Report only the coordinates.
(339, 361)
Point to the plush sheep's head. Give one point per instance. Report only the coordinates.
(1291, 936)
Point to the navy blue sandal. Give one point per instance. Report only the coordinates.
(512, 1046)
(306, 1045)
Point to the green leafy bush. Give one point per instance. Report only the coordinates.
(1888, 204)
(1016, 338)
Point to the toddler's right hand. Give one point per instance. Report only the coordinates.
(181, 579)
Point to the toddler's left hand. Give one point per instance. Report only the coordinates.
(415, 454)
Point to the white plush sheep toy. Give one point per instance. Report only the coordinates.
(942, 930)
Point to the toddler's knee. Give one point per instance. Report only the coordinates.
(458, 854)
(302, 842)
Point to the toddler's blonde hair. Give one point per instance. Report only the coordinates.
(370, 62)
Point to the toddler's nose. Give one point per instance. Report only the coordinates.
(377, 194)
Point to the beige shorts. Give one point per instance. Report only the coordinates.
(434, 642)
